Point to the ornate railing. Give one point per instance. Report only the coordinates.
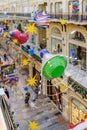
(76, 17)
(77, 87)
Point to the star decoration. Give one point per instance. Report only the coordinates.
(32, 81)
(62, 21)
(33, 126)
(14, 16)
(15, 41)
(5, 34)
(63, 87)
(81, 107)
(25, 62)
(5, 21)
(31, 29)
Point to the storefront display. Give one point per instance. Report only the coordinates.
(79, 53)
(78, 112)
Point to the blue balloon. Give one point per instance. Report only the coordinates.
(25, 88)
(31, 51)
(5, 29)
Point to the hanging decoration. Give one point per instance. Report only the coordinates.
(75, 6)
(15, 41)
(21, 37)
(26, 89)
(42, 19)
(14, 34)
(63, 21)
(5, 21)
(81, 107)
(33, 125)
(63, 87)
(31, 29)
(14, 16)
(53, 66)
(25, 62)
(5, 34)
(32, 81)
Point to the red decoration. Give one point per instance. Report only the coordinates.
(74, 6)
(23, 37)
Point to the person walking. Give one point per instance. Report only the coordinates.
(27, 97)
(7, 93)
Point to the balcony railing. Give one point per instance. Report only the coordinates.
(75, 17)
(77, 87)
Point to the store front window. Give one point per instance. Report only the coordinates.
(77, 112)
(78, 53)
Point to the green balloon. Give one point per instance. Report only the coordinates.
(54, 67)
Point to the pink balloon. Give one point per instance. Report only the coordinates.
(23, 37)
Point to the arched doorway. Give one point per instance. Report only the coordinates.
(77, 47)
(56, 40)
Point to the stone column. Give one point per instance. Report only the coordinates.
(44, 86)
(49, 40)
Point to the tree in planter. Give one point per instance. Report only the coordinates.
(19, 27)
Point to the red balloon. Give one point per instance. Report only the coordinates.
(23, 37)
(16, 34)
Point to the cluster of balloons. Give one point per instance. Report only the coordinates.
(20, 37)
(41, 19)
(75, 6)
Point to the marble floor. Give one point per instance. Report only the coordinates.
(43, 111)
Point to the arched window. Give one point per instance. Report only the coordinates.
(77, 36)
(55, 31)
(12, 9)
(58, 7)
(51, 8)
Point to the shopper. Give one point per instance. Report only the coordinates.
(7, 93)
(5, 57)
(27, 97)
